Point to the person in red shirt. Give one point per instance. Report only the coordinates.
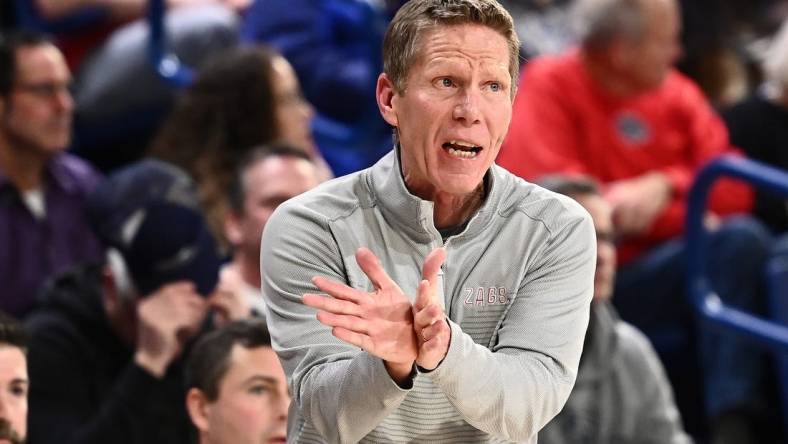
(615, 109)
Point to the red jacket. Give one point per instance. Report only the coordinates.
(563, 122)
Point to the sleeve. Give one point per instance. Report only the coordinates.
(542, 136)
(339, 389)
(657, 412)
(327, 46)
(518, 386)
(64, 405)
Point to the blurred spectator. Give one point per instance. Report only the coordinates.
(759, 125)
(106, 44)
(621, 394)
(237, 390)
(617, 111)
(243, 98)
(266, 177)
(14, 382)
(105, 345)
(334, 46)
(544, 26)
(43, 228)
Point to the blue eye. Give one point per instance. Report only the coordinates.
(495, 86)
(258, 390)
(447, 82)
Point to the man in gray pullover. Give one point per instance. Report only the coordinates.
(458, 294)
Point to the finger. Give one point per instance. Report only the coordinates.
(425, 295)
(433, 331)
(370, 265)
(351, 323)
(331, 305)
(338, 290)
(218, 302)
(357, 339)
(432, 266)
(428, 316)
(196, 303)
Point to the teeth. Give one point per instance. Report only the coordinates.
(462, 143)
(461, 153)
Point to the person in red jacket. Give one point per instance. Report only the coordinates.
(615, 109)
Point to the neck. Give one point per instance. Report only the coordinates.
(451, 210)
(605, 76)
(24, 168)
(248, 267)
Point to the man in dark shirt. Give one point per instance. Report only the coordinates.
(43, 229)
(106, 342)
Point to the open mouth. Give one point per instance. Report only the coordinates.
(462, 149)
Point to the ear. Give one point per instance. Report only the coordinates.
(198, 408)
(386, 95)
(109, 295)
(232, 228)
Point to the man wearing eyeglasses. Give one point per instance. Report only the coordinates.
(43, 229)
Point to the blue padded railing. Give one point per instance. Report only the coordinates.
(166, 64)
(713, 312)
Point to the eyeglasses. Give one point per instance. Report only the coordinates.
(44, 90)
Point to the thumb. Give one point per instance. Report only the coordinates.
(424, 295)
(432, 266)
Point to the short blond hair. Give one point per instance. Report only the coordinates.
(417, 17)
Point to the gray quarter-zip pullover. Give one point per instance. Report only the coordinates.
(516, 284)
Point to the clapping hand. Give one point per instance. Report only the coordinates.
(381, 322)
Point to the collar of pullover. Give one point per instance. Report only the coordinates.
(415, 215)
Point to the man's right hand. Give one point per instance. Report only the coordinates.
(380, 322)
(165, 320)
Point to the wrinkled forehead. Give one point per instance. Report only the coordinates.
(469, 44)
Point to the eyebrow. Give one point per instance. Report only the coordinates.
(20, 381)
(261, 378)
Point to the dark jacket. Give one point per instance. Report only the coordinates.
(85, 387)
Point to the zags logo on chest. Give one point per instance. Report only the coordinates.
(486, 296)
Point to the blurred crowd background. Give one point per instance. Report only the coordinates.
(132, 201)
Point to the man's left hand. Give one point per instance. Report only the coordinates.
(429, 319)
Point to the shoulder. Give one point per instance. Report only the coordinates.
(555, 211)
(334, 199)
(74, 173)
(635, 348)
(680, 88)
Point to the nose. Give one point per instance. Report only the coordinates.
(283, 406)
(466, 111)
(307, 110)
(64, 100)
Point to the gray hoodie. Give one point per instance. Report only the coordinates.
(516, 287)
(622, 395)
